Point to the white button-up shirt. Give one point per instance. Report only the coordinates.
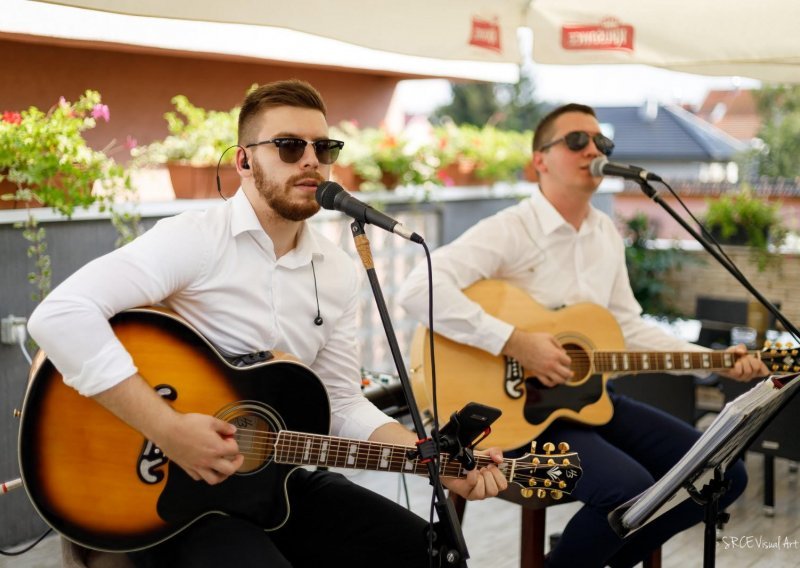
(531, 246)
(218, 270)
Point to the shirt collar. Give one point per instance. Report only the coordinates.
(244, 219)
(550, 220)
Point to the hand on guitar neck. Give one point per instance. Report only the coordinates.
(540, 355)
(747, 366)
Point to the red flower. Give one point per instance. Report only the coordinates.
(12, 117)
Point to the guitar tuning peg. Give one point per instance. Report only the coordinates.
(563, 447)
(774, 367)
(547, 483)
(565, 461)
(533, 447)
(794, 352)
(532, 482)
(796, 368)
(551, 461)
(549, 448)
(526, 493)
(767, 344)
(535, 461)
(562, 484)
(786, 367)
(541, 493)
(556, 494)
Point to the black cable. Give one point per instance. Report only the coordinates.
(435, 429)
(27, 548)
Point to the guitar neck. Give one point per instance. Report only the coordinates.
(651, 361)
(299, 448)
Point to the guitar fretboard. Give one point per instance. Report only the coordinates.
(300, 448)
(644, 361)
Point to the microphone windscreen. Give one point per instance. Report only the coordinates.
(596, 167)
(327, 192)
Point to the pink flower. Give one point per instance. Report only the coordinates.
(130, 142)
(12, 117)
(101, 111)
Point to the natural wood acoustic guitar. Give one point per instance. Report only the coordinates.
(593, 340)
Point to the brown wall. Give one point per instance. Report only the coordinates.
(138, 87)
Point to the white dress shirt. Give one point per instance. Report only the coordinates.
(531, 246)
(218, 270)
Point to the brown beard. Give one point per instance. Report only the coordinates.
(277, 197)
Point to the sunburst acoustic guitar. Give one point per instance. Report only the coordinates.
(102, 485)
(592, 339)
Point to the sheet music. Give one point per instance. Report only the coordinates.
(736, 426)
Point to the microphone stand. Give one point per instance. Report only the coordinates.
(452, 550)
(653, 194)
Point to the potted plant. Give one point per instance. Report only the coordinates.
(470, 155)
(743, 219)
(45, 160)
(374, 158)
(197, 138)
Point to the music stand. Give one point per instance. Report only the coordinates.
(705, 464)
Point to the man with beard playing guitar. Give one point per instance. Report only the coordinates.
(251, 276)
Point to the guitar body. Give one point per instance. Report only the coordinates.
(101, 484)
(465, 373)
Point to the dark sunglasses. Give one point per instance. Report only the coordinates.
(290, 150)
(579, 139)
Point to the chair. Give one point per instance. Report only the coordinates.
(534, 513)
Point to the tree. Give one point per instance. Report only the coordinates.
(509, 106)
(780, 109)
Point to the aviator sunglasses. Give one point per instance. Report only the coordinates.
(290, 149)
(579, 139)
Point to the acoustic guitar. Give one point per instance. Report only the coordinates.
(594, 342)
(99, 483)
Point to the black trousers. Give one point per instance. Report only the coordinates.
(620, 460)
(332, 522)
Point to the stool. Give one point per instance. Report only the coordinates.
(533, 526)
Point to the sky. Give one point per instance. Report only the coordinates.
(596, 85)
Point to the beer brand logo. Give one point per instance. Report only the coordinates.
(485, 34)
(609, 34)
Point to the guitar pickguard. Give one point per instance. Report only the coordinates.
(541, 401)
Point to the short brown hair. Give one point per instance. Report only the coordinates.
(544, 130)
(291, 92)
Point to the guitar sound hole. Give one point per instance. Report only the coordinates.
(256, 429)
(581, 363)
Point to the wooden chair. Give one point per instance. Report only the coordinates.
(534, 513)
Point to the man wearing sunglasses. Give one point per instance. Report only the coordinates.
(561, 250)
(252, 277)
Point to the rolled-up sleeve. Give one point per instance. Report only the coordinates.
(71, 325)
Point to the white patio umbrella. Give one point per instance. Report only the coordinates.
(713, 37)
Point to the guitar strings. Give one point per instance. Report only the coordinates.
(452, 468)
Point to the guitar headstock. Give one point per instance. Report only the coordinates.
(552, 474)
(780, 357)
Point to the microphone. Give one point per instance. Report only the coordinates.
(331, 195)
(600, 166)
